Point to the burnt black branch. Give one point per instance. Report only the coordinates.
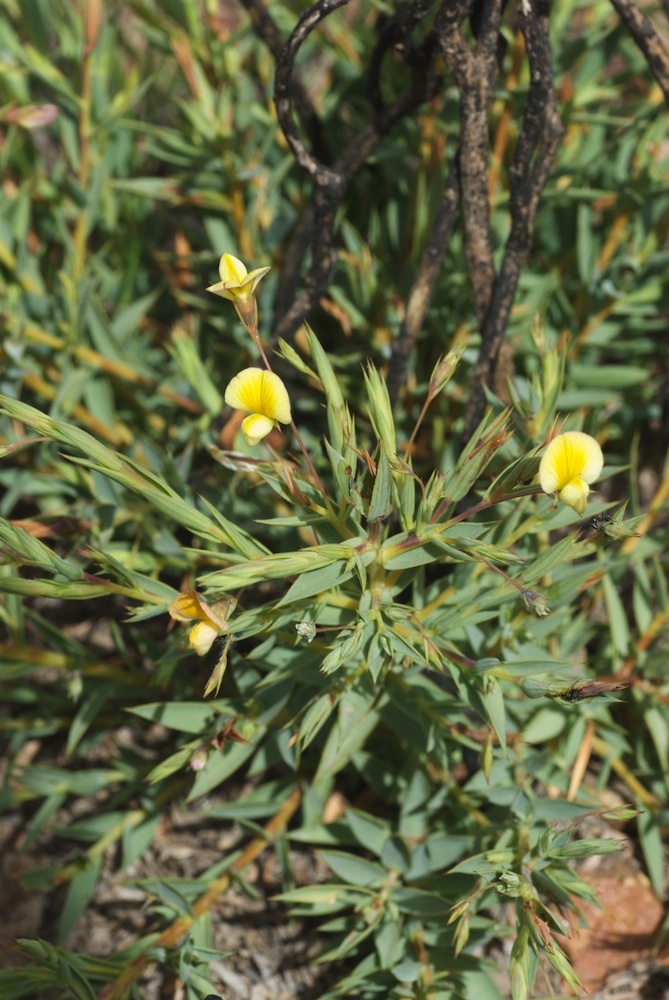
(331, 182)
(466, 35)
(536, 148)
(475, 73)
(646, 37)
(266, 29)
(284, 93)
(395, 34)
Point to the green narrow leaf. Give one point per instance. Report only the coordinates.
(316, 581)
(79, 893)
(494, 703)
(369, 831)
(136, 840)
(341, 427)
(585, 249)
(389, 943)
(185, 717)
(176, 761)
(420, 903)
(353, 870)
(26, 548)
(356, 719)
(650, 836)
(658, 727)
(381, 503)
(315, 718)
(617, 618)
(167, 892)
(128, 473)
(91, 705)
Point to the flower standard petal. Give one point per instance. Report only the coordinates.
(243, 391)
(255, 276)
(231, 269)
(594, 460)
(255, 390)
(263, 395)
(570, 463)
(188, 605)
(275, 399)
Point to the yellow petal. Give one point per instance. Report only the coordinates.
(186, 606)
(221, 288)
(257, 391)
(243, 391)
(255, 427)
(575, 494)
(202, 637)
(570, 456)
(231, 269)
(256, 275)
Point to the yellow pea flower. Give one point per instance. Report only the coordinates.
(189, 606)
(263, 395)
(239, 285)
(571, 462)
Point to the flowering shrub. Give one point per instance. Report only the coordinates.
(425, 639)
(377, 624)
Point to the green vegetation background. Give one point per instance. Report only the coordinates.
(131, 161)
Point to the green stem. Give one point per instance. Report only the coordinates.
(421, 416)
(91, 29)
(252, 330)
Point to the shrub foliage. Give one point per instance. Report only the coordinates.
(415, 663)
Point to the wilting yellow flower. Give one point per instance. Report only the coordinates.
(239, 285)
(188, 606)
(570, 463)
(263, 395)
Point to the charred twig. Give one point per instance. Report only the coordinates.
(327, 202)
(473, 56)
(396, 32)
(536, 148)
(284, 92)
(644, 34)
(266, 29)
(392, 33)
(331, 182)
(291, 269)
(475, 74)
